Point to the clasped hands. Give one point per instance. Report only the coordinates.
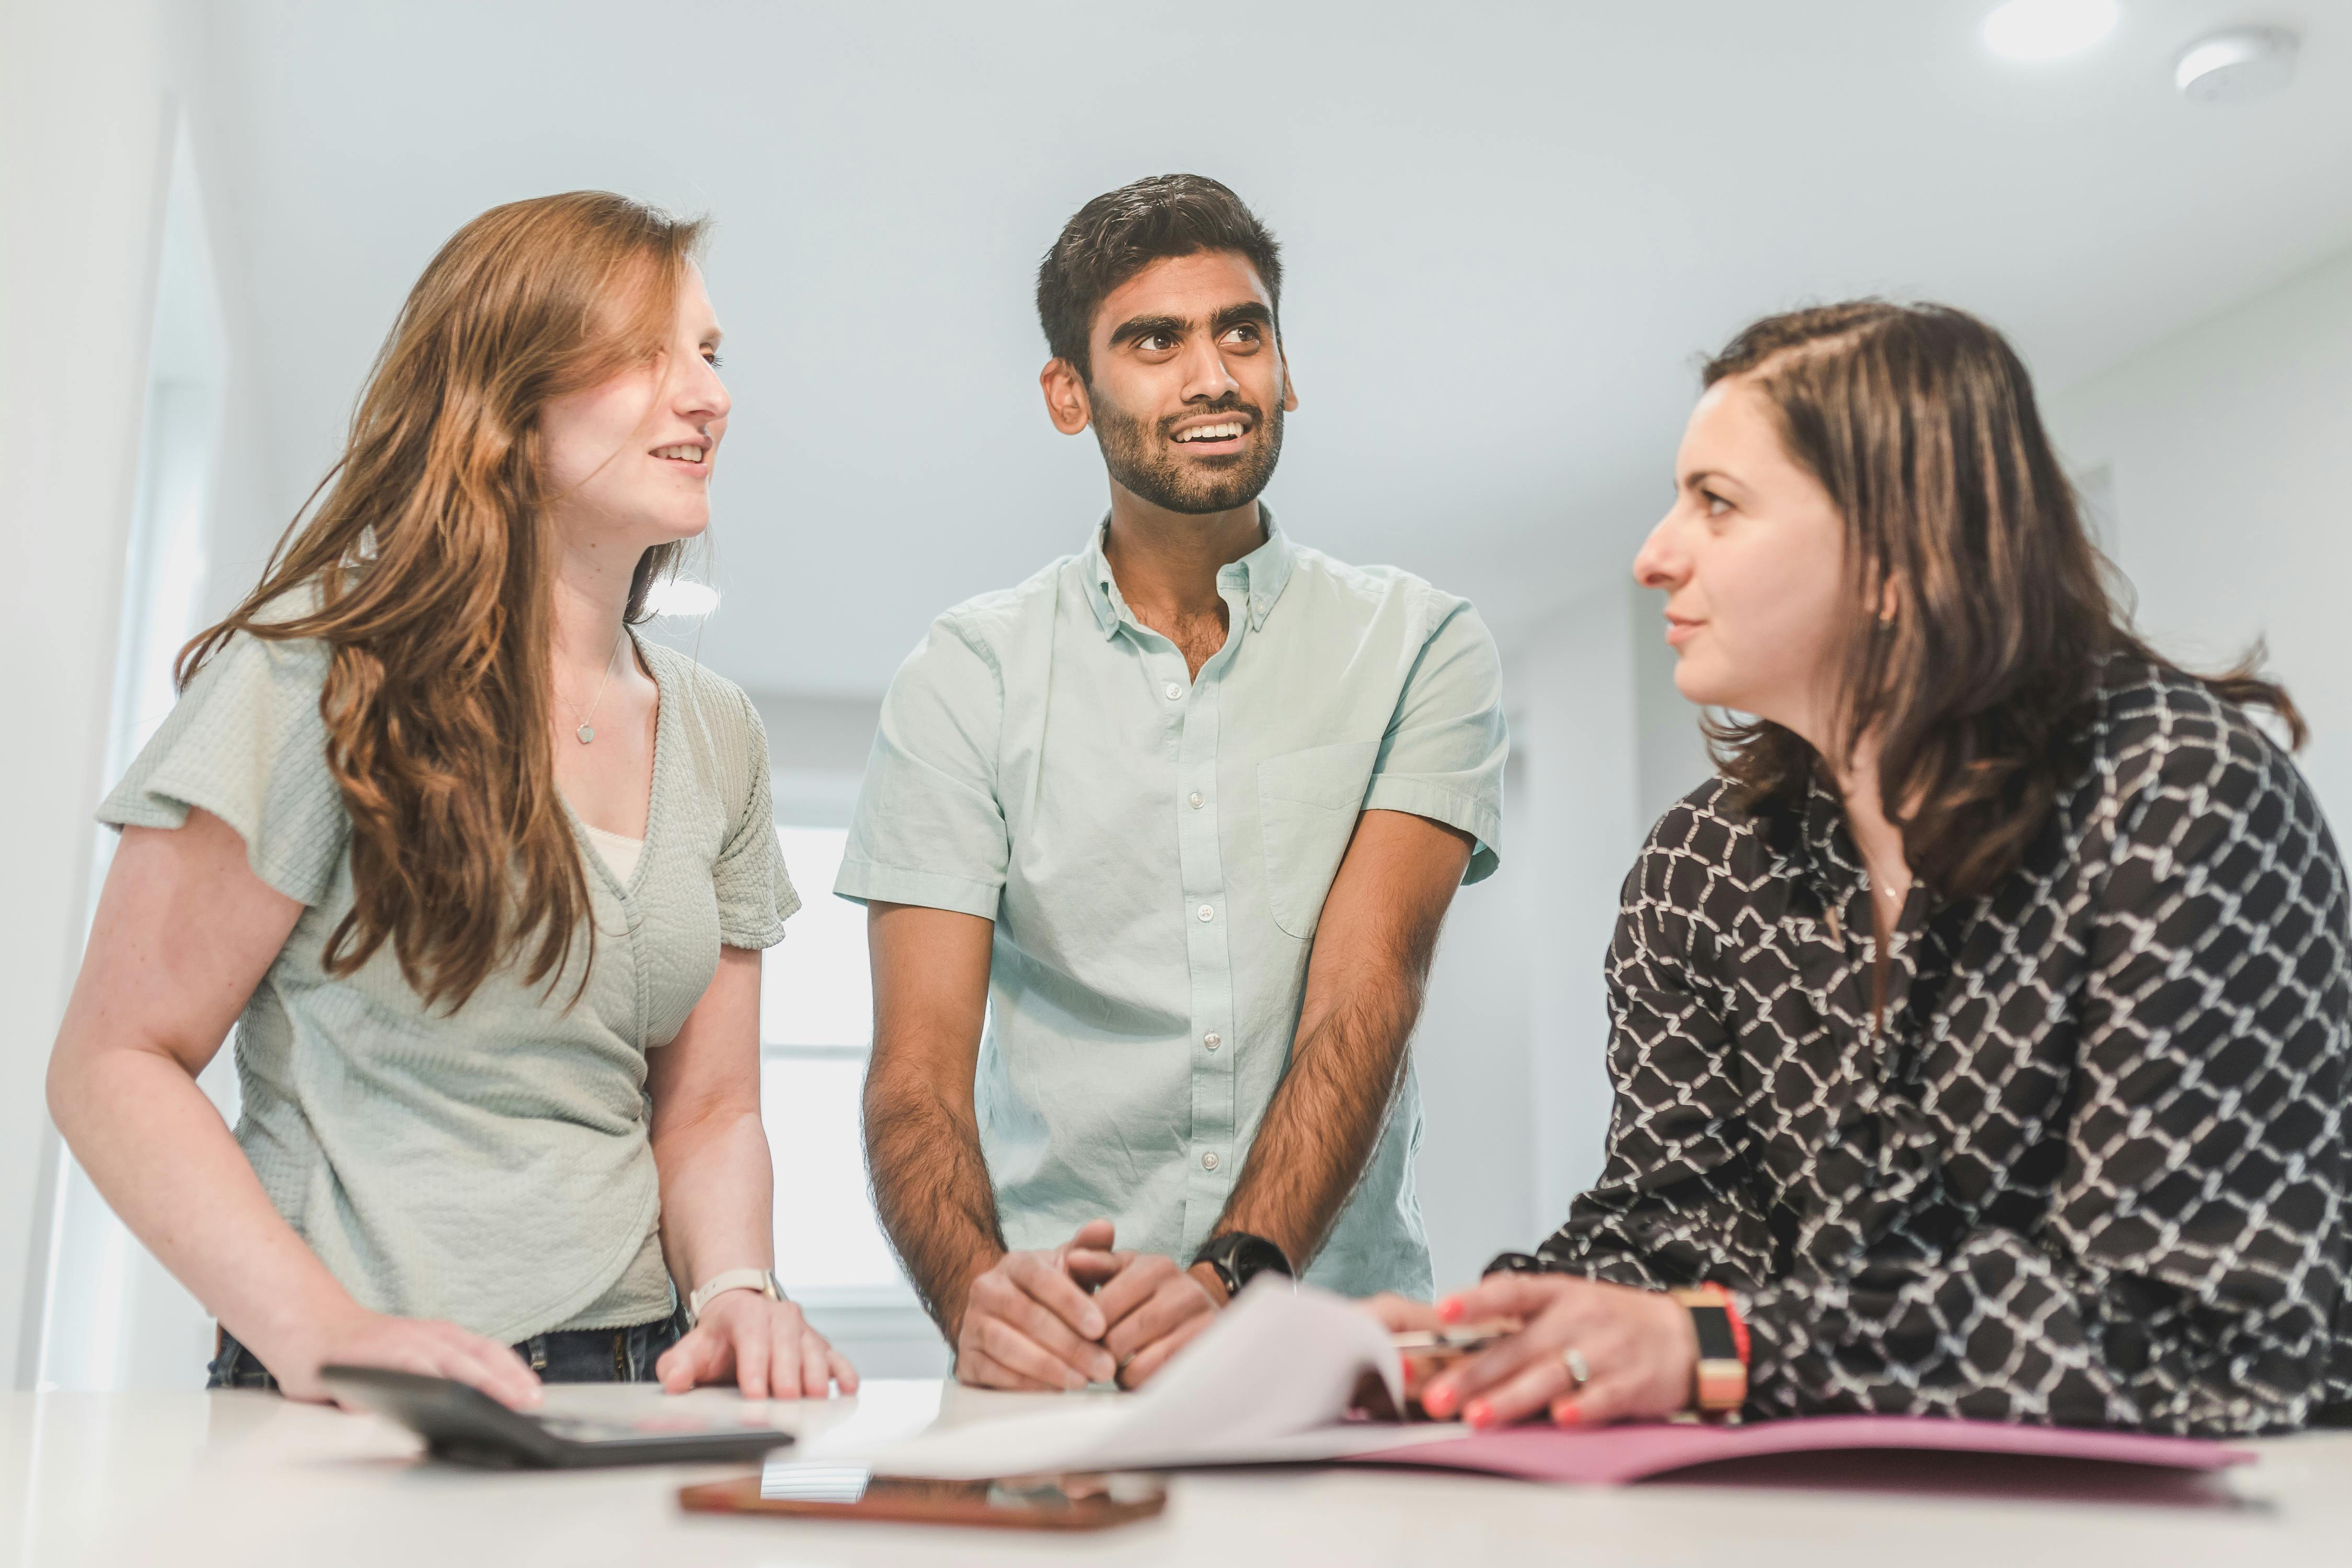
(1061, 1318)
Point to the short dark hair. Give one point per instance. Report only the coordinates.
(1121, 232)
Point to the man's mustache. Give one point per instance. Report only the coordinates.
(1228, 405)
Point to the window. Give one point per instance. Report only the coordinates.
(111, 1316)
(816, 1010)
(815, 1025)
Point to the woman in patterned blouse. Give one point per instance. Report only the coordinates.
(1982, 1030)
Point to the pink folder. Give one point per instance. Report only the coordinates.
(1616, 1455)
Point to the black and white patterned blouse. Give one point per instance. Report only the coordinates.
(2095, 1170)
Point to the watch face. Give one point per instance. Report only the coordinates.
(1239, 1257)
(1714, 1337)
(1250, 1256)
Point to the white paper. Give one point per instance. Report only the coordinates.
(1268, 1383)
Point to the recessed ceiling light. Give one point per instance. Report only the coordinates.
(2236, 66)
(676, 597)
(2049, 29)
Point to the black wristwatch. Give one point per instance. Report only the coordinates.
(1239, 1257)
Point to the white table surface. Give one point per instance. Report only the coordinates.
(249, 1479)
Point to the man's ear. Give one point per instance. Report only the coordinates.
(1067, 403)
(1289, 388)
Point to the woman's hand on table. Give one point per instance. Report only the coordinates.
(425, 1347)
(1398, 1315)
(766, 1345)
(1637, 1348)
(1401, 1314)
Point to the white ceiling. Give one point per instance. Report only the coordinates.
(1509, 229)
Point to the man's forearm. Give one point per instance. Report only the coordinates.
(1364, 986)
(1325, 1119)
(931, 1188)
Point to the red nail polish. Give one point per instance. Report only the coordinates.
(1567, 1414)
(1479, 1414)
(1450, 1309)
(1437, 1401)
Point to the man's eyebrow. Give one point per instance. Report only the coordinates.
(1248, 311)
(1136, 327)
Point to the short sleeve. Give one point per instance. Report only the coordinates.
(1443, 754)
(247, 743)
(755, 892)
(928, 829)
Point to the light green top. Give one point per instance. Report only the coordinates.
(1155, 849)
(490, 1167)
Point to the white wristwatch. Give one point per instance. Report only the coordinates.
(761, 1279)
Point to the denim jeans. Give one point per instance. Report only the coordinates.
(572, 1355)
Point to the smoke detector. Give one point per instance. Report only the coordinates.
(2237, 65)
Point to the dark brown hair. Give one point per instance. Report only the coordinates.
(432, 567)
(1121, 232)
(1920, 422)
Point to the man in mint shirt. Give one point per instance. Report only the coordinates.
(1156, 846)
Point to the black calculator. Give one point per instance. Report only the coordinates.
(461, 1424)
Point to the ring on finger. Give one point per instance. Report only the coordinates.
(1579, 1374)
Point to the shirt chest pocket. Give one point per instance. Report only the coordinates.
(1308, 805)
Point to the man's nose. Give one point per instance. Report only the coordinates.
(1206, 376)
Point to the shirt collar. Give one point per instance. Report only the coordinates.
(1260, 576)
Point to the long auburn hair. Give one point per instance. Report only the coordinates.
(1920, 422)
(431, 561)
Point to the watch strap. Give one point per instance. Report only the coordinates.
(1719, 1380)
(761, 1279)
(1237, 1258)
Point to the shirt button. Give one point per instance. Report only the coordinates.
(1197, 800)
(1207, 913)
(1175, 693)
(1213, 1040)
(1209, 1161)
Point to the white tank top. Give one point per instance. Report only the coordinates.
(619, 854)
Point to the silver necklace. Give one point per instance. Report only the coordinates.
(587, 731)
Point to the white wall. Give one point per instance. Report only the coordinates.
(78, 257)
(1578, 825)
(2226, 447)
(73, 313)
(1471, 1053)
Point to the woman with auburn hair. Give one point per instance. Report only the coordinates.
(480, 877)
(1980, 1036)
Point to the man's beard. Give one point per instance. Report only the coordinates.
(1139, 456)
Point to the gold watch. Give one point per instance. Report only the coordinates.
(764, 1280)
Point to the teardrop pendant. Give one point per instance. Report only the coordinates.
(586, 732)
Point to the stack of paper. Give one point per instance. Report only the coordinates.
(1270, 1382)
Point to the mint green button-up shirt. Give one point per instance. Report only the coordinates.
(1154, 849)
